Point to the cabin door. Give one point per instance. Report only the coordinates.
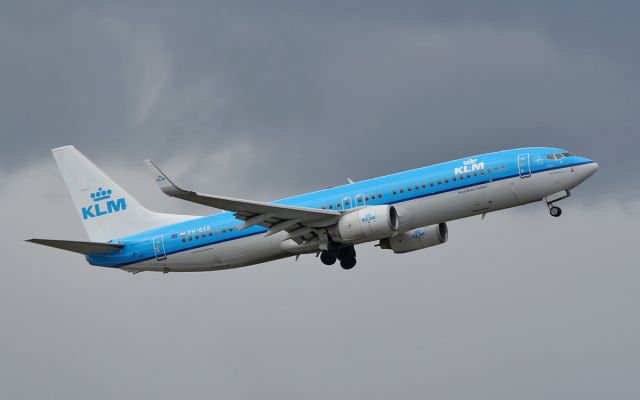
(524, 165)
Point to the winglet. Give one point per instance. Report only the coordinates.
(166, 185)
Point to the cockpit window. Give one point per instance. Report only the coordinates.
(567, 154)
(551, 157)
(559, 156)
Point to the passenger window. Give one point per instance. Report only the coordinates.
(453, 179)
(190, 238)
(330, 206)
(224, 230)
(482, 172)
(394, 192)
(446, 180)
(439, 182)
(475, 174)
(503, 167)
(417, 187)
(324, 207)
(430, 183)
(408, 188)
(230, 229)
(424, 185)
(338, 205)
(379, 195)
(373, 196)
(184, 239)
(346, 202)
(468, 175)
(366, 198)
(401, 190)
(461, 177)
(489, 171)
(217, 231)
(210, 233)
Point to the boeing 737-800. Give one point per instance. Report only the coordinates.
(402, 212)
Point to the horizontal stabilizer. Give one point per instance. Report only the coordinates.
(79, 247)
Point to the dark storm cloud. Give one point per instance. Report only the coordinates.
(324, 90)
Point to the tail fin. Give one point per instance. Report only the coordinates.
(106, 209)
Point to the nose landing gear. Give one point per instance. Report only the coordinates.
(555, 211)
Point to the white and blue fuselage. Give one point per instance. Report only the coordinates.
(421, 197)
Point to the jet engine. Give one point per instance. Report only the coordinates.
(366, 224)
(416, 239)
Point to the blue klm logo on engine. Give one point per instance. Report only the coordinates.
(100, 208)
(418, 234)
(369, 218)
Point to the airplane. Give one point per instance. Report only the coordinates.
(402, 212)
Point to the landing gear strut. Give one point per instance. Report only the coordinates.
(555, 211)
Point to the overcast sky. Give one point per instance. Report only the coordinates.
(267, 99)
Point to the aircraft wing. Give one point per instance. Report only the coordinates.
(298, 221)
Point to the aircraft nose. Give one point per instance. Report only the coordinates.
(591, 169)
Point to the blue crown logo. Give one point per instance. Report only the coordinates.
(101, 194)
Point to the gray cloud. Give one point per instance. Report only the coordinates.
(263, 100)
(373, 88)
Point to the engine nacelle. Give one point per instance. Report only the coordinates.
(366, 224)
(416, 239)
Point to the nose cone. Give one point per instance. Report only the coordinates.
(591, 169)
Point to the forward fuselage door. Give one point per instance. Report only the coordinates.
(524, 165)
(158, 248)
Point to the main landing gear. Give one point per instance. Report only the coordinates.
(328, 257)
(346, 255)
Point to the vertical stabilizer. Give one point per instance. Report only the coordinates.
(107, 211)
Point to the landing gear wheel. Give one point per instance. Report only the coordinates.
(348, 263)
(555, 211)
(346, 252)
(328, 258)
